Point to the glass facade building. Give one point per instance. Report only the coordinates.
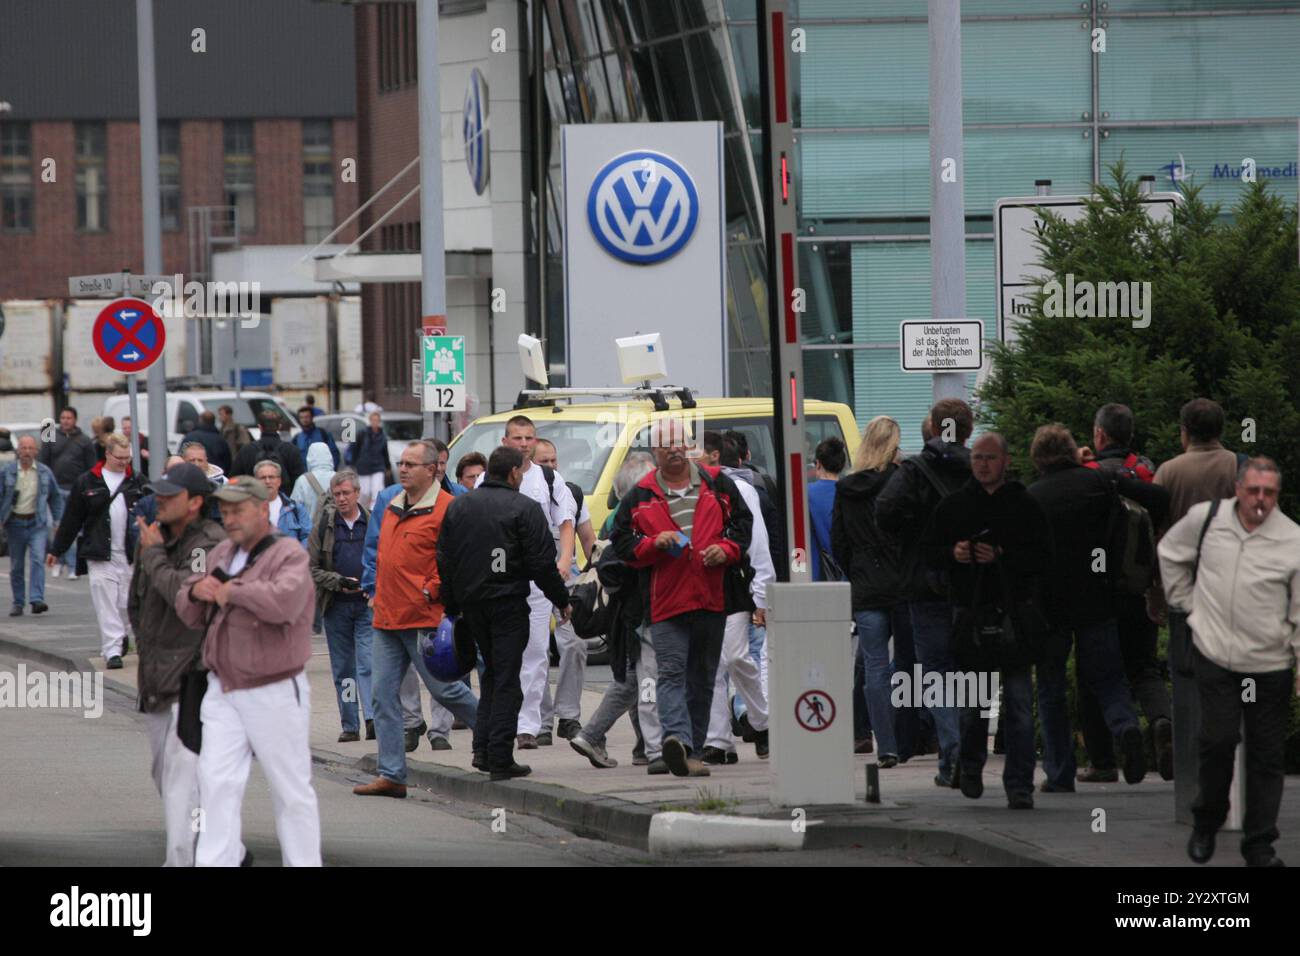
(1052, 89)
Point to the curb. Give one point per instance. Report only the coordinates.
(643, 828)
(64, 662)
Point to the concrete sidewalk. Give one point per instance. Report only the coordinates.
(1101, 825)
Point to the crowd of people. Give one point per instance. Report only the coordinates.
(954, 566)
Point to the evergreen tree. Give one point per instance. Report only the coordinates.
(1224, 324)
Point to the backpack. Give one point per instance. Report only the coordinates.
(549, 474)
(591, 614)
(1131, 536)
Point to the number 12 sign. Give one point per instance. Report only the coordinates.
(444, 373)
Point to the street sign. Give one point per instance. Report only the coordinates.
(113, 283)
(444, 373)
(128, 336)
(1015, 223)
(109, 283)
(929, 346)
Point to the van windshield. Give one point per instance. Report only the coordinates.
(247, 411)
(582, 448)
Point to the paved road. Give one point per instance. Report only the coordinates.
(76, 791)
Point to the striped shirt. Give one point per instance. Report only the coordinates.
(681, 501)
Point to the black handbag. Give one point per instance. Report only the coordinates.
(999, 636)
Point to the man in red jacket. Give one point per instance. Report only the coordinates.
(683, 525)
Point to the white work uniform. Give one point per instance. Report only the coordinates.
(110, 581)
(176, 775)
(749, 680)
(274, 722)
(534, 673)
(573, 653)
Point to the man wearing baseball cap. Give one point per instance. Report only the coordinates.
(256, 601)
(169, 648)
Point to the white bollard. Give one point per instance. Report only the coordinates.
(811, 694)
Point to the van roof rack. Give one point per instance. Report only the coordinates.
(657, 394)
(178, 383)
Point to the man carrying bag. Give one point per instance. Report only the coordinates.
(992, 541)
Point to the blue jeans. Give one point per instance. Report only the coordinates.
(27, 538)
(874, 628)
(932, 638)
(687, 649)
(393, 652)
(1016, 718)
(1100, 667)
(349, 636)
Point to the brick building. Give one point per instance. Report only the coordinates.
(260, 121)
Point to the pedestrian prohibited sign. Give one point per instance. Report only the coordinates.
(815, 710)
(444, 373)
(128, 335)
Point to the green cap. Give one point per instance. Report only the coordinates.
(241, 489)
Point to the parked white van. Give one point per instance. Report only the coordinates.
(183, 409)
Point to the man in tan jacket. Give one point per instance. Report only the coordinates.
(1234, 565)
(256, 604)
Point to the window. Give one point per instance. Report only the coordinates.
(317, 180)
(397, 45)
(15, 177)
(240, 175)
(92, 177)
(169, 174)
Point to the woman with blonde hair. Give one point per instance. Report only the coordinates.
(871, 562)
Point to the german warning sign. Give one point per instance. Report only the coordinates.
(128, 335)
(815, 710)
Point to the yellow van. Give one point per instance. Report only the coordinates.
(592, 438)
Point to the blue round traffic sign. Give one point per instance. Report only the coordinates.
(128, 335)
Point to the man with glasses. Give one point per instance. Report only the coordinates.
(98, 508)
(404, 590)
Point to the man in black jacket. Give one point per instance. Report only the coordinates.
(991, 539)
(206, 434)
(1081, 603)
(1112, 434)
(493, 541)
(903, 509)
(270, 446)
(99, 509)
(69, 456)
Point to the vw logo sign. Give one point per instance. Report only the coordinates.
(643, 207)
(475, 130)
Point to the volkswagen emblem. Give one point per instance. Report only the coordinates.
(475, 130)
(643, 207)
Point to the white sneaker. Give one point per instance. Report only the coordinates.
(72, 575)
(594, 753)
(56, 571)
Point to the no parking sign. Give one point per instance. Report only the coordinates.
(128, 336)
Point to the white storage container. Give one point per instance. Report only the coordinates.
(299, 346)
(26, 348)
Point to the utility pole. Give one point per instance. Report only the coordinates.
(151, 215)
(947, 204)
(433, 261)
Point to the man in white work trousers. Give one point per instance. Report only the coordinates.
(1234, 564)
(545, 486)
(169, 649)
(99, 510)
(256, 602)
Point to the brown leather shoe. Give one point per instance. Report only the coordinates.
(380, 787)
(526, 742)
(696, 768)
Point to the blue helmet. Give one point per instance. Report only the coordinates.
(441, 654)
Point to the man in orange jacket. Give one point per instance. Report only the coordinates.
(405, 603)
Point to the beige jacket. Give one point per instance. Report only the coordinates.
(1245, 604)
